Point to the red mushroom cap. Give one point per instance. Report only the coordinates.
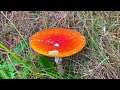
(57, 42)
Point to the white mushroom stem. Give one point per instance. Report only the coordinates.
(58, 61)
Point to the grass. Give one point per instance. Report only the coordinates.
(100, 58)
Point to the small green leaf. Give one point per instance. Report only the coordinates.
(47, 65)
(45, 62)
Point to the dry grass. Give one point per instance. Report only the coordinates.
(100, 59)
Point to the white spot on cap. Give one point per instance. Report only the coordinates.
(75, 49)
(51, 42)
(82, 37)
(38, 40)
(53, 52)
(31, 41)
(56, 44)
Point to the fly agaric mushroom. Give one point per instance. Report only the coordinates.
(58, 43)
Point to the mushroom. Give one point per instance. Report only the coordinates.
(58, 43)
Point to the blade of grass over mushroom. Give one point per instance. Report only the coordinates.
(17, 58)
(14, 27)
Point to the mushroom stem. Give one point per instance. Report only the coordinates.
(58, 61)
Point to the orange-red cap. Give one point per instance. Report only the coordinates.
(57, 42)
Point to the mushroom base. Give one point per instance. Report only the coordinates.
(58, 61)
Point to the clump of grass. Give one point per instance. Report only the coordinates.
(100, 59)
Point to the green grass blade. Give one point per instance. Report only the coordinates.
(23, 63)
(14, 27)
(20, 75)
(3, 74)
